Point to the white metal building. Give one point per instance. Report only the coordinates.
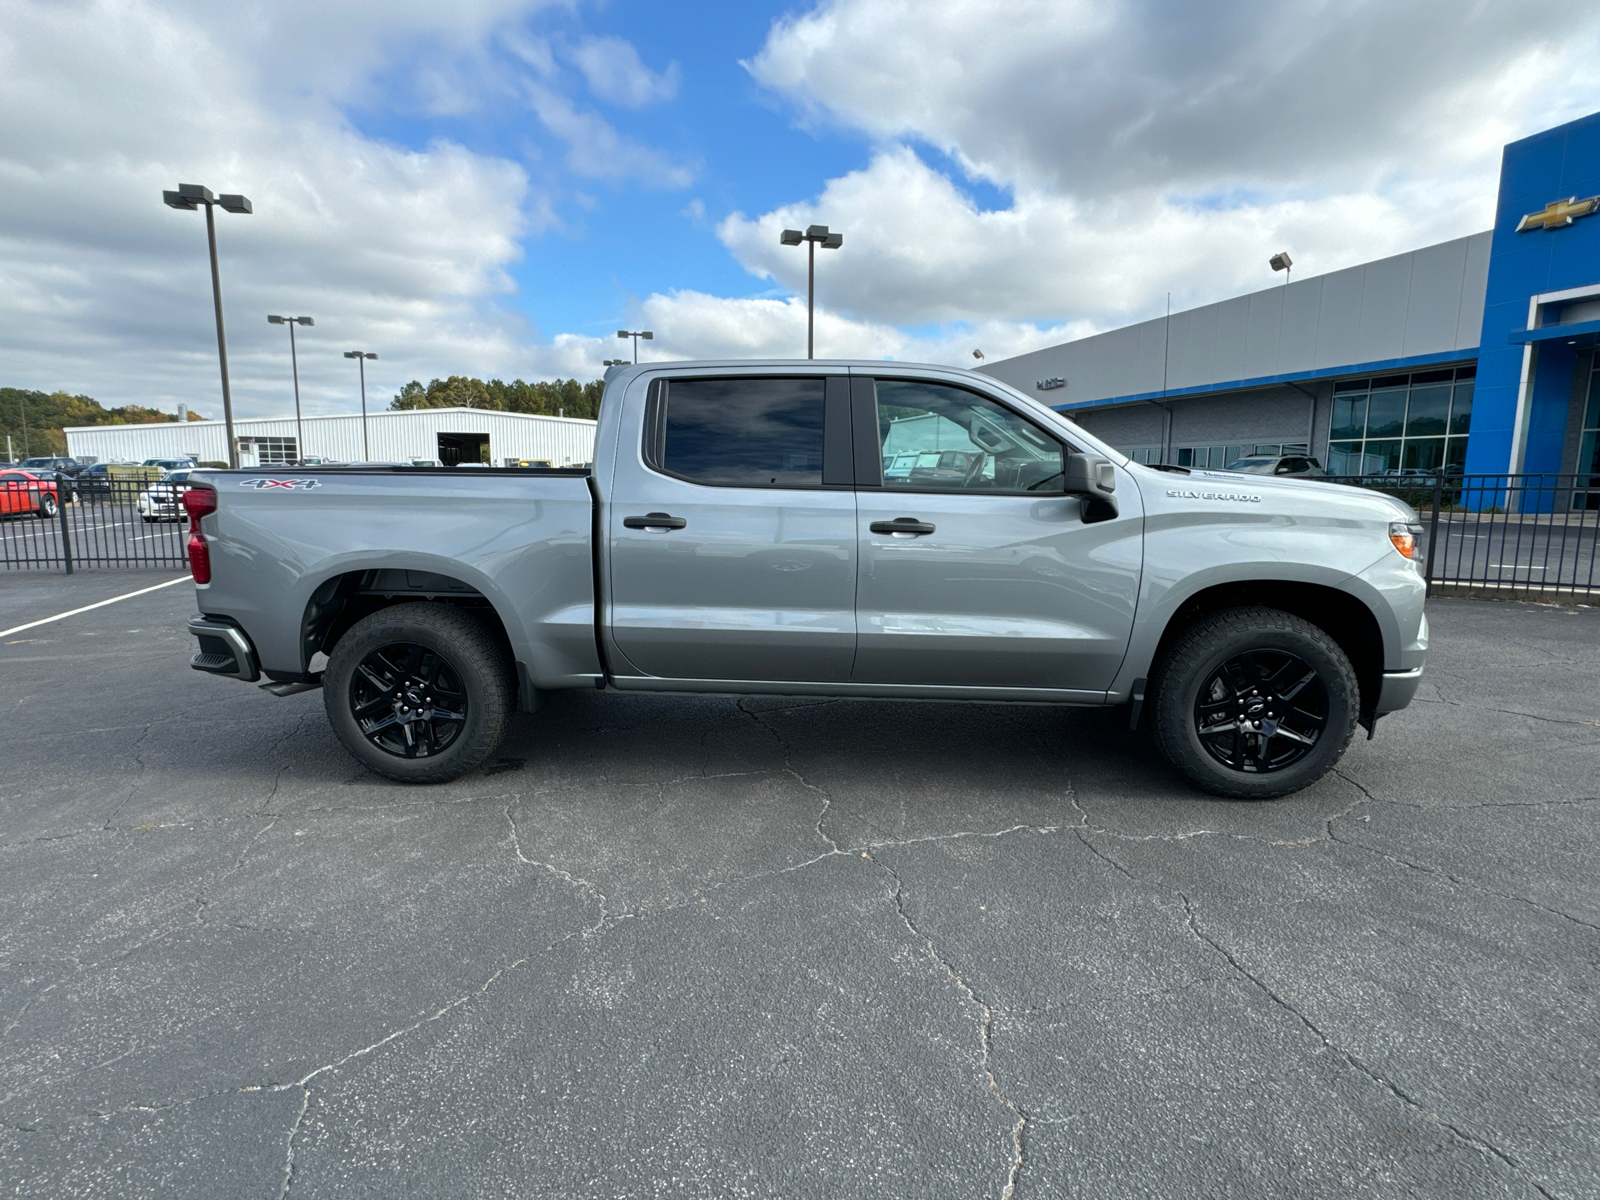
(443, 435)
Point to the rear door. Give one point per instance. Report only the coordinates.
(976, 569)
(731, 531)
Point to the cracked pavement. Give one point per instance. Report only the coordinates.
(704, 946)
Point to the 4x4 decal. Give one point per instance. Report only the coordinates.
(262, 485)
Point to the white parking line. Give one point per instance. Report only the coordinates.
(87, 607)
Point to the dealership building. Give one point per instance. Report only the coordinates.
(448, 436)
(1476, 354)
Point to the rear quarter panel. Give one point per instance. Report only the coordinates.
(523, 541)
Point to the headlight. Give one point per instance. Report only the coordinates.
(1404, 536)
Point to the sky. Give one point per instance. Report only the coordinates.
(495, 187)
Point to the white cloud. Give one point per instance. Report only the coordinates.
(917, 249)
(104, 290)
(614, 72)
(1148, 149)
(1101, 97)
(598, 151)
(690, 324)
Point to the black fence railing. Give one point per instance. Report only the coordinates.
(68, 523)
(1506, 534)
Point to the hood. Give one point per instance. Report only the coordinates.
(1367, 499)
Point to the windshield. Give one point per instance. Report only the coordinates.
(1253, 465)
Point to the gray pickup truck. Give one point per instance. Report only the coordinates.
(820, 529)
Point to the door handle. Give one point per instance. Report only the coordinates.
(653, 521)
(902, 525)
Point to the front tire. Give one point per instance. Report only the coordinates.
(420, 693)
(1253, 703)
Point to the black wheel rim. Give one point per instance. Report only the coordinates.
(1261, 711)
(408, 700)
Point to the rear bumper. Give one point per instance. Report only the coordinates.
(224, 649)
(1397, 690)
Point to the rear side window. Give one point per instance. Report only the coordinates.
(742, 432)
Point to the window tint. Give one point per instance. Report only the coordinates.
(937, 438)
(744, 432)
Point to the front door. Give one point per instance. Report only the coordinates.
(731, 532)
(976, 570)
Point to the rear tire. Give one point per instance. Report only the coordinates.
(1253, 703)
(47, 507)
(420, 693)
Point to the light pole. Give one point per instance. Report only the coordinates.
(813, 236)
(294, 365)
(361, 357)
(643, 333)
(191, 196)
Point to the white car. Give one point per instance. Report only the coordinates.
(163, 500)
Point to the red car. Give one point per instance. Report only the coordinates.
(27, 492)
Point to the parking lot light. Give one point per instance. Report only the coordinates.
(294, 365)
(189, 197)
(629, 333)
(361, 357)
(814, 236)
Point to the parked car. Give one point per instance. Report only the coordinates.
(1300, 466)
(170, 464)
(163, 500)
(740, 535)
(68, 466)
(23, 492)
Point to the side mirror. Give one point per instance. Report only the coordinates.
(1095, 479)
(1090, 475)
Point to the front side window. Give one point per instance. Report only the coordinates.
(743, 432)
(938, 438)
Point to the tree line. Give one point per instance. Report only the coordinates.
(554, 398)
(35, 420)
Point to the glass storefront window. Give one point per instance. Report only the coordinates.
(1349, 417)
(1386, 413)
(1380, 458)
(1344, 458)
(1423, 454)
(1461, 408)
(1399, 423)
(1428, 408)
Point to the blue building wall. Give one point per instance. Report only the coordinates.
(1548, 166)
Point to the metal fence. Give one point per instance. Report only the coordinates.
(93, 523)
(1532, 535)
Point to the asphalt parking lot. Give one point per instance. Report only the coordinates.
(701, 947)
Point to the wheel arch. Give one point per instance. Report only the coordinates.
(1343, 616)
(342, 599)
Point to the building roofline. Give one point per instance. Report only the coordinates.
(1261, 381)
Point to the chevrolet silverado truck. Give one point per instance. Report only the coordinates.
(850, 529)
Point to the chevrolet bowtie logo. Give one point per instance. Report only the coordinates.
(1558, 214)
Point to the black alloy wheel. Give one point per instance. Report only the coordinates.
(408, 700)
(1254, 703)
(420, 692)
(1261, 711)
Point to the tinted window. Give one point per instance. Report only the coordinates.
(938, 438)
(745, 432)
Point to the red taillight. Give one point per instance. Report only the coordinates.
(199, 558)
(199, 502)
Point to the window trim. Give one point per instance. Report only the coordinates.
(864, 413)
(653, 442)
